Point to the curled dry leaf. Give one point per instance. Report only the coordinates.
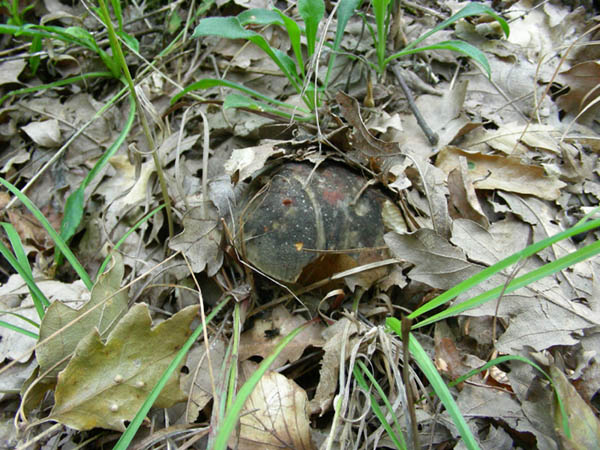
(437, 262)
(500, 172)
(275, 415)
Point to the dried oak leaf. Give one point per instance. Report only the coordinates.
(58, 339)
(275, 416)
(200, 240)
(104, 385)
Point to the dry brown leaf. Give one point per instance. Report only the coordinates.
(437, 263)
(275, 415)
(463, 196)
(500, 172)
(200, 240)
(45, 133)
(246, 161)
(342, 333)
(266, 334)
(10, 71)
(582, 80)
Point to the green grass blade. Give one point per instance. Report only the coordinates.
(437, 383)
(136, 422)
(381, 11)
(231, 419)
(260, 16)
(240, 101)
(502, 359)
(40, 302)
(456, 46)
(472, 9)
(397, 438)
(344, 12)
(231, 28)
(21, 317)
(58, 241)
(208, 83)
(36, 293)
(294, 34)
(501, 265)
(125, 236)
(312, 12)
(55, 84)
(18, 329)
(74, 205)
(530, 277)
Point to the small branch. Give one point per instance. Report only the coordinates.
(432, 137)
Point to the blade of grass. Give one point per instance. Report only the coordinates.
(231, 28)
(41, 303)
(241, 101)
(233, 413)
(502, 359)
(344, 12)
(311, 11)
(136, 422)
(437, 383)
(456, 46)
(397, 438)
(506, 262)
(29, 281)
(55, 84)
(18, 329)
(125, 236)
(537, 274)
(208, 83)
(472, 9)
(59, 242)
(74, 205)
(21, 317)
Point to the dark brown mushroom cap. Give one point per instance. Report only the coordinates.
(298, 210)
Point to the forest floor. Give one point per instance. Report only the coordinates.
(232, 219)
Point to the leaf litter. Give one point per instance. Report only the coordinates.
(516, 162)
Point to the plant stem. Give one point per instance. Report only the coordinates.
(118, 53)
(432, 137)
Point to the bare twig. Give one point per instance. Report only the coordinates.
(432, 137)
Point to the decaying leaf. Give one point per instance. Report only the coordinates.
(59, 337)
(343, 334)
(14, 345)
(275, 416)
(584, 424)
(266, 334)
(10, 71)
(201, 239)
(437, 263)
(500, 172)
(104, 385)
(246, 161)
(45, 133)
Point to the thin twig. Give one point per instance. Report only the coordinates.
(432, 137)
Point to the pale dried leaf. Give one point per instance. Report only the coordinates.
(45, 133)
(246, 161)
(266, 334)
(276, 414)
(200, 240)
(437, 263)
(10, 71)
